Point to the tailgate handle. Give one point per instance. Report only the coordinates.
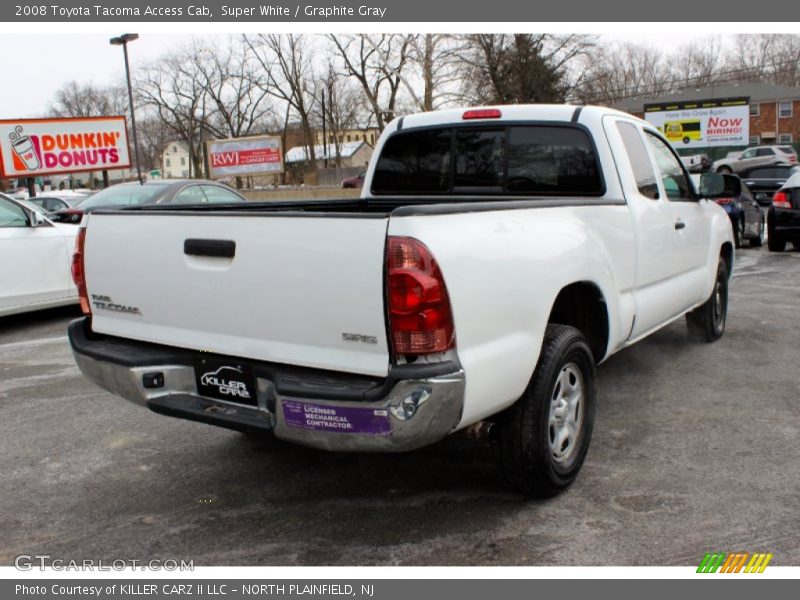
(217, 248)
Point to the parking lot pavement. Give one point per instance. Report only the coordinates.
(695, 448)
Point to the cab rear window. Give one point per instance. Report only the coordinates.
(517, 160)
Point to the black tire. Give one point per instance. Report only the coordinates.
(707, 322)
(523, 435)
(686, 140)
(775, 243)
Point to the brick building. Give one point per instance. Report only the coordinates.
(774, 109)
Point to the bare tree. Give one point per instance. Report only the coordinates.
(622, 71)
(437, 58)
(700, 62)
(286, 63)
(377, 63)
(341, 109)
(772, 58)
(74, 99)
(236, 87)
(173, 89)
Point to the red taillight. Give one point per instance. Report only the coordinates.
(724, 201)
(482, 113)
(420, 317)
(781, 200)
(78, 273)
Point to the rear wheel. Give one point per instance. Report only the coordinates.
(775, 243)
(707, 322)
(543, 438)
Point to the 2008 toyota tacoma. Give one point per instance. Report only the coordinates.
(496, 255)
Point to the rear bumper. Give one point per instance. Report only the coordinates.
(413, 407)
(784, 223)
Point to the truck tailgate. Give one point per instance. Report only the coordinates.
(299, 290)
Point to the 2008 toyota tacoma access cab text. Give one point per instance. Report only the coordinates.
(496, 255)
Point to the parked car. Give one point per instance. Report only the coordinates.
(765, 181)
(755, 157)
(747, 217)
(163, 191)
(35, 268)
(55, 202)
(356, 181)
(696, 163)
(783, 217)
(494, 257)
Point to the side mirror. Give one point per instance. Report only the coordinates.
(716, 185)
(37, 220)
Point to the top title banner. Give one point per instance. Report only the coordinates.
(683, 11)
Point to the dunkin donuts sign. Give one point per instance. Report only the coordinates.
(33, 147)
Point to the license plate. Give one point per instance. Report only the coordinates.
(227, 380)
(336, 419)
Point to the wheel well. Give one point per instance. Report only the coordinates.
(727, 255)
(582, 306)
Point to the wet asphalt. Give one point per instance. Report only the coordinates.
(696, 448)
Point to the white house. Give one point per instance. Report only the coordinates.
(175, 161)
(353, 154)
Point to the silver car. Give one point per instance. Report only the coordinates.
(757, 156)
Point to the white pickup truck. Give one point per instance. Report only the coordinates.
(495, 257)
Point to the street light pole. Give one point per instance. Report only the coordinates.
(123, 41)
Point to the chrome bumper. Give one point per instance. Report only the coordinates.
(414, 413)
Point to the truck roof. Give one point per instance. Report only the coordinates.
(510, 112)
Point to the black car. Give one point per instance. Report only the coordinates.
(747, 217)
(164, 191)
(783, 217)
(764, 181)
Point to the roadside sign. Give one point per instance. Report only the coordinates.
(257, 155)
(702, 123)
(38, 147)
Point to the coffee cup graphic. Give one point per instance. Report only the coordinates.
(23, 148)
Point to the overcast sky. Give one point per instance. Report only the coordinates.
(35, 66)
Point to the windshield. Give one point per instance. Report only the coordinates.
(123, 195)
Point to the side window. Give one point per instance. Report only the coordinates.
(12, 215)
(218, 194)
(765, 152)
(748, 153)
(414, 162)
(190, 195)
(672, 174)
(640, 161)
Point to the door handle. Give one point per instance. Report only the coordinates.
(680, 225)
(216, 248)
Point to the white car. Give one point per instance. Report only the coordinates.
(36, 258)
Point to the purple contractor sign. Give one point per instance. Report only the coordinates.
(322, 417)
